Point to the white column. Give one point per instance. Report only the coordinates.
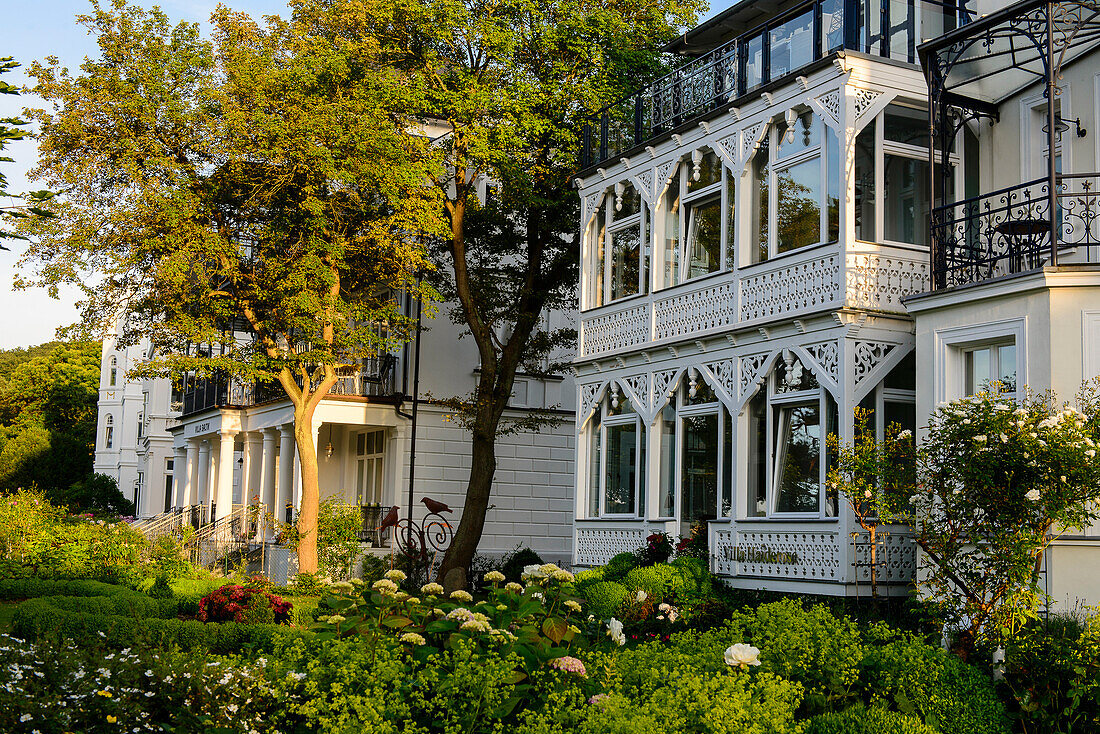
(180, 472)
(286, 471)
(250, 472)
(224, 495)
(202, 474)
(267, 480)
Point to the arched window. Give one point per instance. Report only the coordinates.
(114, 374)
(109, 432)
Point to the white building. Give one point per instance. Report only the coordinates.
(219, 445)
(756, 234)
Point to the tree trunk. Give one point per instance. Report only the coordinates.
(483, 465)
(310, 490)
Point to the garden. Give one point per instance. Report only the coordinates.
(103, 630)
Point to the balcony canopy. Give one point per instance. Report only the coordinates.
(993, 58)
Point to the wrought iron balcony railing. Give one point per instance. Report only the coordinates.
(373, 378)
(777, 49)
(1009, 231)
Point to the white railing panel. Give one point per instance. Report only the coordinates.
(791, 285)
(597, 541)
(878, 279)
(701, 309)
(804, 555)
(615, 329)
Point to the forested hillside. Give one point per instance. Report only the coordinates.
(48, 397)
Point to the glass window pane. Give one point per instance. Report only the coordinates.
(754, 62)
(904, 375)
(902, 18)
(832, 174)
(799, 205)
(667, 502)
(906, 125)
(360, 486)
(377, 480)
(620, 479)
(671, 253)
(976, 370)
(704, 237)
(901, 414)
(760, 181)
(731, 221)
(631, 204)
(360, 444)
(599, 233)
(832, 25)
(625, 263)
(807, 134)
(704, 393)
(700, 468)
(865, 184)
(727, 464)
(792, 45)
(710, 172)
(1006, 367)
(798, 456)
(758, 452)
(594, 465)
(906, 200)
(832, 428)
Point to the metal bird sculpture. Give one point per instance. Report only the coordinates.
(434, 506)
(390, 520)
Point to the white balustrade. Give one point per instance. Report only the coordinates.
(799, 555)
(790, 286)
(880, 276)
(597, 541)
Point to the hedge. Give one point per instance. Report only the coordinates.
(31, 588)
(37, 619)
(860, 720)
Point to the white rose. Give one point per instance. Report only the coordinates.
(741, 655)
(640, 596)
(615, 631)
(1033, 495)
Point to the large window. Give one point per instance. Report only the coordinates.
(989, 367)
(795, 187)
(109, 432)
(788, 422)
(892, 188)
(695, 221)
(616, 459)
(370, 448)
(618, 239)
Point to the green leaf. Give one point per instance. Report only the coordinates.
(555, 628)
(397, 622)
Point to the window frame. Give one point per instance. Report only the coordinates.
(109, 431)
(640, 475)
(950, 343)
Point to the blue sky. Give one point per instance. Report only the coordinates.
(33, 30)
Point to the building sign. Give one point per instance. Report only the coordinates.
(759, 554)
(201, 428)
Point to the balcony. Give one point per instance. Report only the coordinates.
(371, 378)
(779, 49)
(866, 276)
(1010, 231)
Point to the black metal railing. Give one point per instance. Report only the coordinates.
(372, 377)
(1010, 231)
(781, 47)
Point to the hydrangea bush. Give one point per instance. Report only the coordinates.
(537, 620)
(998, 481)
(243, 604)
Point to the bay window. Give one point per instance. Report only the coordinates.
(795, 187)
(616, 459)
(788, 422)
(695, 221)
(617, 239)
(892, 189)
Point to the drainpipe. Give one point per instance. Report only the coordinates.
(415, 396)
(1052, 132)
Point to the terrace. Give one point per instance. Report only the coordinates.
(778, 50)
(973, 73)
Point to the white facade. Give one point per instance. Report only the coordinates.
(228, 456)
(755, 247)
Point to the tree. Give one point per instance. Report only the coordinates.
(246, 201)
(509, 84)
(875, 479)
(32, 203)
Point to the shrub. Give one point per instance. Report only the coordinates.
(1052, 670)
(604, 598)
(161, 589)
(659, 582)
(658, 548)
(513, 564)
(338, 528)
(244, 605)
(309, 584)
(860, 720)
(97, 493)
(31, 588)
(166, 557)
(934, 685)
(587, 577)
(620, 565)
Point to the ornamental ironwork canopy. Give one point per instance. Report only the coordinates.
(971, 71)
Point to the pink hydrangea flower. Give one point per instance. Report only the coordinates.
(569, 665)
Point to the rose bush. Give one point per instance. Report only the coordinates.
(243, 604)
